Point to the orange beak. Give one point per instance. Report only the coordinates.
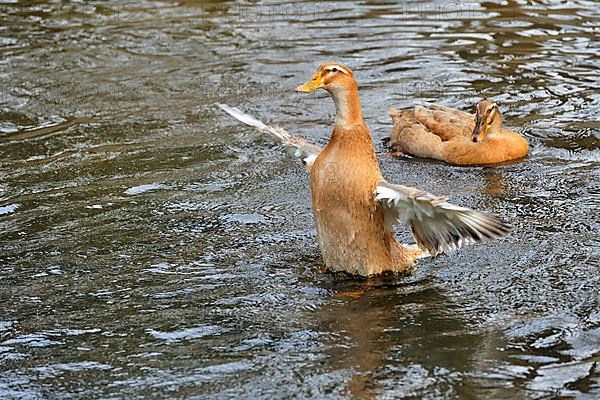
(313, 84)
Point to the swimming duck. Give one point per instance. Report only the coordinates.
(457, 137)
(354, 207)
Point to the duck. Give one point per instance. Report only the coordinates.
(456, 137)
(354, 207)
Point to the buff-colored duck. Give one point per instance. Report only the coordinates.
(457, 137)
(354, 207)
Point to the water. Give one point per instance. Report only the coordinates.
(152, 247)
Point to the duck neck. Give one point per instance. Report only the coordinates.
(348, 113)
(495, 127)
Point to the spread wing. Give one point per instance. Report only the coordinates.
(437, 226)
(303, 150)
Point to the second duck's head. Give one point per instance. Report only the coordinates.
(334, 77)
(488, 120)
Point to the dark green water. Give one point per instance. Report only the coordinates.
(151, 247)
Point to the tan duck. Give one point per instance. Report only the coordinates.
(354, 207)
(457, 137)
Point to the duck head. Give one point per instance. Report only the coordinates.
(339, 81)
(330, 76)
(488, 120)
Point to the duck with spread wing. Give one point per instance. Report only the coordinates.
(354, 207)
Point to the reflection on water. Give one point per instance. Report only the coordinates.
(394, 333)
(152, 247)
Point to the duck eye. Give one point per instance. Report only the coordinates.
(334, 69)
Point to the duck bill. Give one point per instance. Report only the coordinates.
(479, 131)
(313, 84)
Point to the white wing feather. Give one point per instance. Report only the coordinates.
(303, 150)
(437, 226)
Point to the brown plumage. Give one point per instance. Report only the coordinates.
(457, 137)
(354, 207)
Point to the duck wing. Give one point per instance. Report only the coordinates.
(446, 122)
(437, 226)
(302, 149)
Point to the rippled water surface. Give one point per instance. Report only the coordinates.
(153, 248)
